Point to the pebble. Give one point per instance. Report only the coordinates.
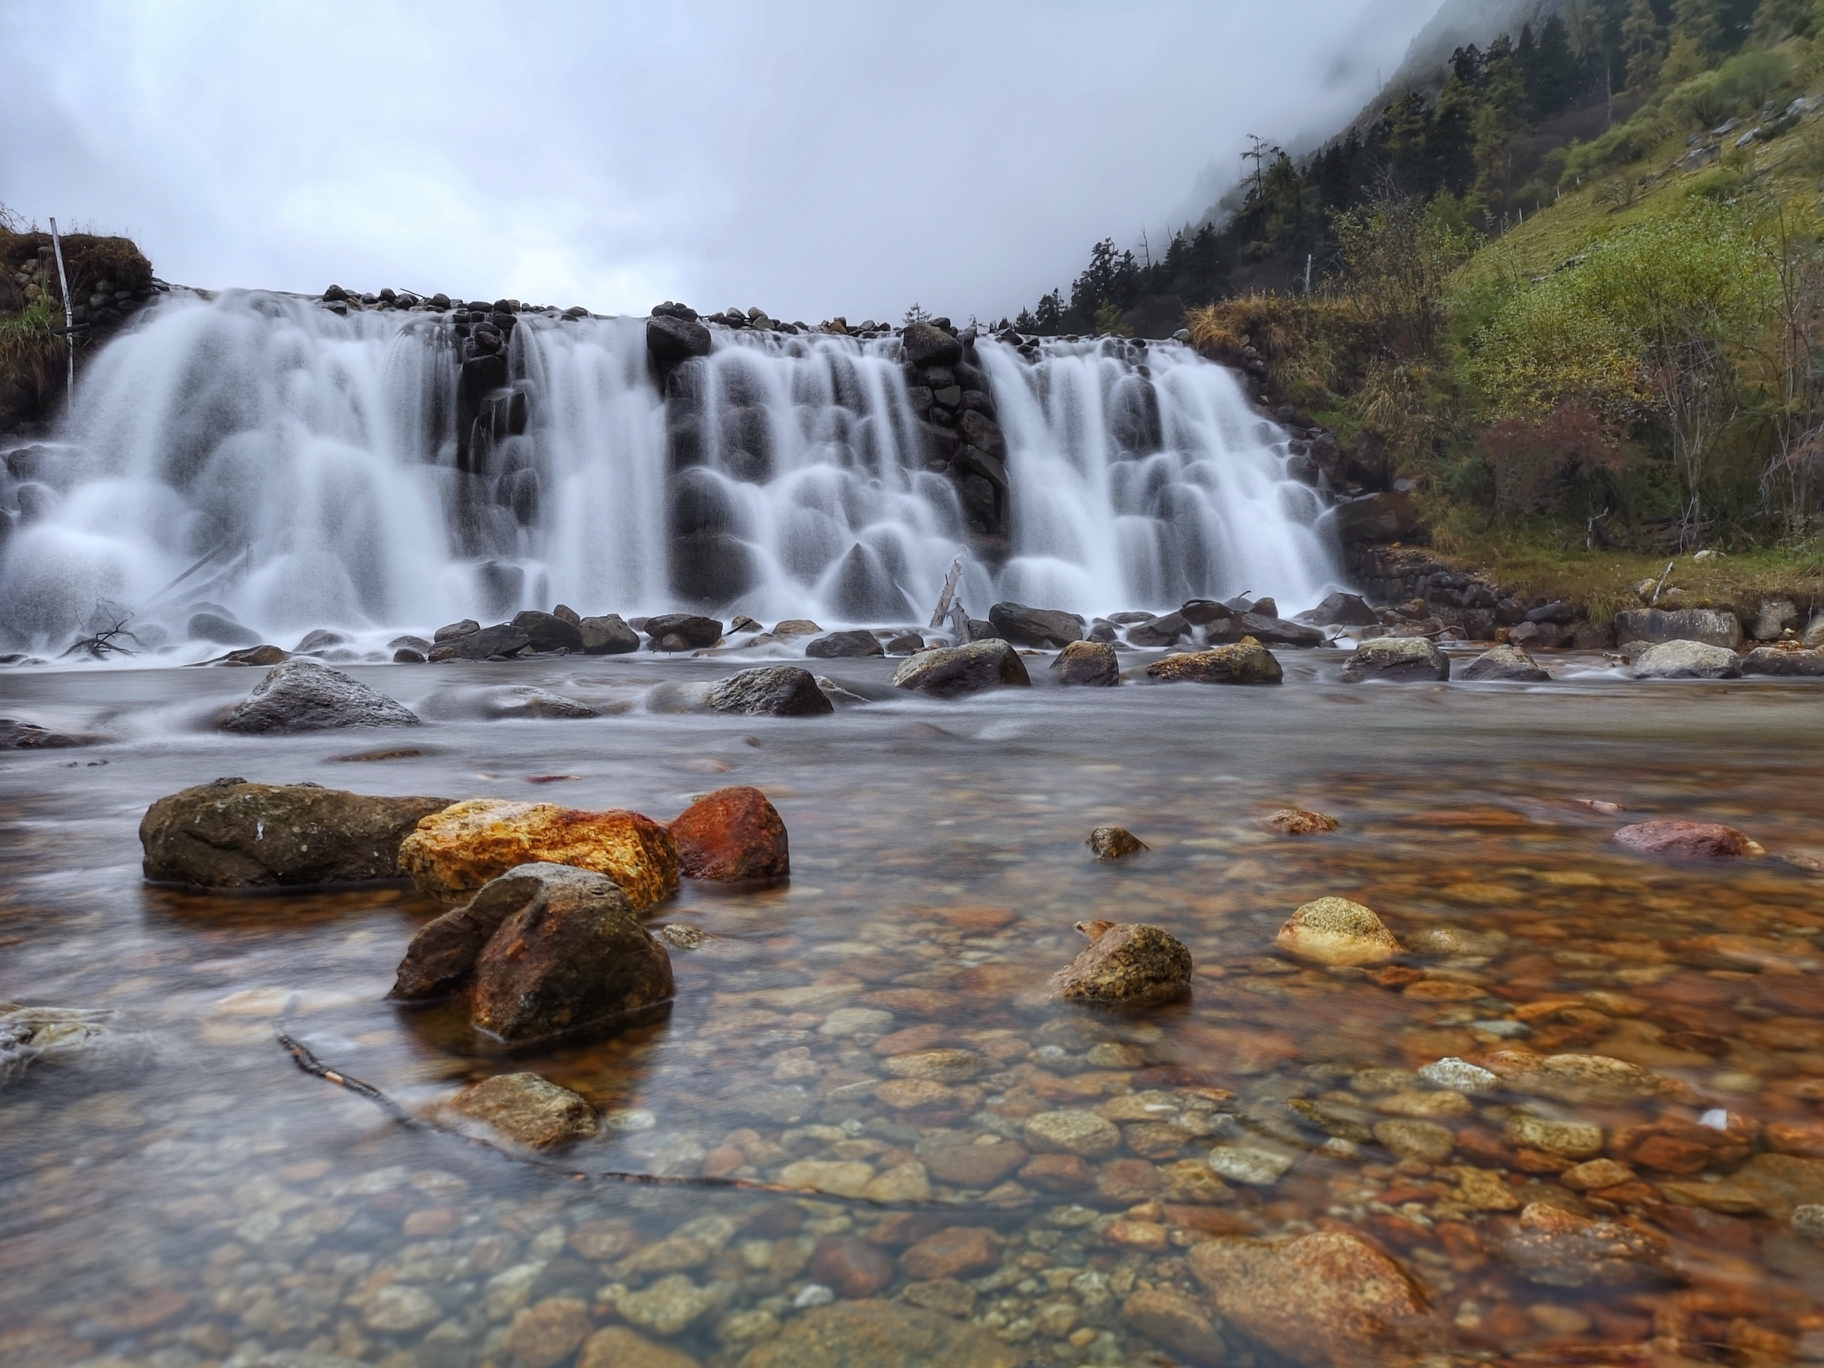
(1458, 1075)
(545, 1334)
(619, 1347)
(1572, 1139)
(1080, 1133)
(957, 1251)
(670, 1304)
(1250, 1164)
(397, 1309)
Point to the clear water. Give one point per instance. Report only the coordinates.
(201, 1201)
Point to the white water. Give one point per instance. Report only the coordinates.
(312, 460)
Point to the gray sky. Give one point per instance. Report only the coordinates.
(811, 158)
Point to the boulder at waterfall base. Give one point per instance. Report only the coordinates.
(952, 671)
(731, 836)
(1125, 965)
(232, 834)
(772, 690)
(1396, 658)
(548, 631)
(462, 847)
(1508, 663)
(304, 695)
(607, 635)
(1088, 664)
(573, 958)
(503, 641)
(1245, 662)
(672, 340)
(682, 631)
(1025, 626)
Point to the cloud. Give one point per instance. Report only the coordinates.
(812, 158)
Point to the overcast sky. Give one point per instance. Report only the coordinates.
(812, 158)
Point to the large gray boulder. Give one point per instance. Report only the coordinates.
(233, 834)
(1713, 626)
(1092, 664)
(772, 690)
(305, 695)
(1161, 631)
(1508, 663)
(952, 671)
(1687, 660)
(548, 631)
(1342, 610)
(1025, 626)
(1396, 658)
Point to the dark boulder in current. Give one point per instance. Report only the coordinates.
(486, 643)
(607, 635)
(926, 344)
(1088, 663)
(672, 340)
(952, 671)
(218, 629)
(845, 645)
(690, 631)
(548, 631)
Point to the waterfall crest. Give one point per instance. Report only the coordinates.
(300, 469)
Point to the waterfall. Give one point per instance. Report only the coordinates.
(263, 457)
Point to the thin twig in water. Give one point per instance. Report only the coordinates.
(316, 1068)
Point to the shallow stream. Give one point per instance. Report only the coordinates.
(189, 1197)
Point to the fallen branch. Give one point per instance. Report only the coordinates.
(316, 1068)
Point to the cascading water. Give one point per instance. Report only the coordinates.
(263, 455)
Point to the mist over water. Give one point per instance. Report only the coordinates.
(307, 470)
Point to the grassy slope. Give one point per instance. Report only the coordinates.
(1549, 561)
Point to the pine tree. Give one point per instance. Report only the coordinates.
(1701, 22)
(1643, 39)
(1550, 77)
(1777, 20)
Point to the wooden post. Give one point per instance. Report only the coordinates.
(69, 318)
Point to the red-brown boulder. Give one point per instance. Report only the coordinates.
(1686, 840)
(732, 835)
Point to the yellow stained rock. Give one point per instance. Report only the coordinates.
(453, 852)
(1337, 931)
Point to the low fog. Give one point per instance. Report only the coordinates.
(814, 159)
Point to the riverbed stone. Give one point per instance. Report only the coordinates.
(1558, 1248)
(618, 1347)
(1686, 840)
(954, 1252)
(1126, 965)
(573, 959)
(1337, 931)
(1687, 660)
(1174, 1320)
(850, 1266)
(17, 735)
(1425, 1141)
(733, 835)
(1396, 658)
(1571, 1139)
(547, 1333)
(1577, 1078)
(953, 671)
(946, 1066)
(773, 691)
(461, 847)
(881, 1334)
(1114, 843)
(1254, 1165)
(671, 1303)
(1088, 664)
(1298, 822)
(1072, 1131)
(1326, 1299)
(966, 1164)
(1507, 663)
(306, 695)
(233, 834)
(528, 1109)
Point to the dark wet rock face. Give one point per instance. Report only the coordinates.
(774, 690)
(953, 671)
(572, 958)
(845, 646)
(548, 631)
(1162, 631)
(1126, 965)
(484, 643)
(732, 835)
(1342, 610)
(1089, 664)
(232, 834)
(1025, 626)
(302, 695)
